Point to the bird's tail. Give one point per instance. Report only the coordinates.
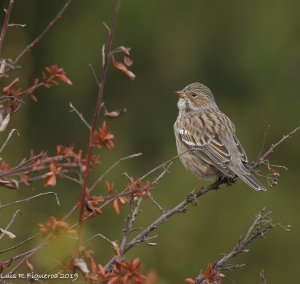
(249, 179)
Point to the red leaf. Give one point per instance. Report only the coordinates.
(50, 179)
(109, 186)
(190, 280)
(29, 265)
(6, 89)
(116, 206)
(93, 264)
(120, 66)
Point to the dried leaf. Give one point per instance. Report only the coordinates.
(128, 60)
(117, 249)
(102, 137)
(50, 179)
(56, 228)
(212, 275)
(29, 265)
(6, 89)
(115, 113)
(109, 187)
(93, 264)
(120, 66)
(190, 280)
(58, 72)
(116, 206)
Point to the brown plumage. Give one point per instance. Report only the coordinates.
(206, 140)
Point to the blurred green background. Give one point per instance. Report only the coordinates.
(247, 52)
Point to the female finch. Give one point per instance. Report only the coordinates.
(206, 140)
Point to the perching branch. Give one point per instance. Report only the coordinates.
(182, 206)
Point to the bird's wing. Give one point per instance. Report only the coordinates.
(242, 152)
(203, 136)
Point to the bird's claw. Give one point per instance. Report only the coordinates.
(191, 198)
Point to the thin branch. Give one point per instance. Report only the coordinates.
(133, 212)
(95, 75)
(44, 32)
(27, 255)
(261, 225)
(8, 138)
(98, 235)
(179, 208)
(262, 159)
(262, 278)
(74, 109)
(5, 24)
(264, 140)
(111, 167)
(11, 222)
(30, 198)
(20, 244)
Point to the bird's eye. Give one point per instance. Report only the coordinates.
(194, 95)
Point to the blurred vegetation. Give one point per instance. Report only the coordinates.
(247, 52)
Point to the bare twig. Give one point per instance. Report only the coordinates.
(111, 167)
(5, 24)
(133, 211)
(8, 138)
(262, 159)
(264, 140)
(11, 221)
(262, 278)
(94, 74)
(19, 244)
(261, 225)
(30, 198)
(27, 255)
(44, 32)
(74, 109)
(17, 25)
(98, 235)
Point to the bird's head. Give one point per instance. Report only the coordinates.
(195, 96)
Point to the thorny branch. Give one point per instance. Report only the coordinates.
(261, 225)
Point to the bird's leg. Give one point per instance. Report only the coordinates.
(229, 181)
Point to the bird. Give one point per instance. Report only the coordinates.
(206, 141)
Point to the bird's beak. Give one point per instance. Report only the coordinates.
(181, 94)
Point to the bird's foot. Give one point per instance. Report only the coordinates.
(191, 198)
(229, 181)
